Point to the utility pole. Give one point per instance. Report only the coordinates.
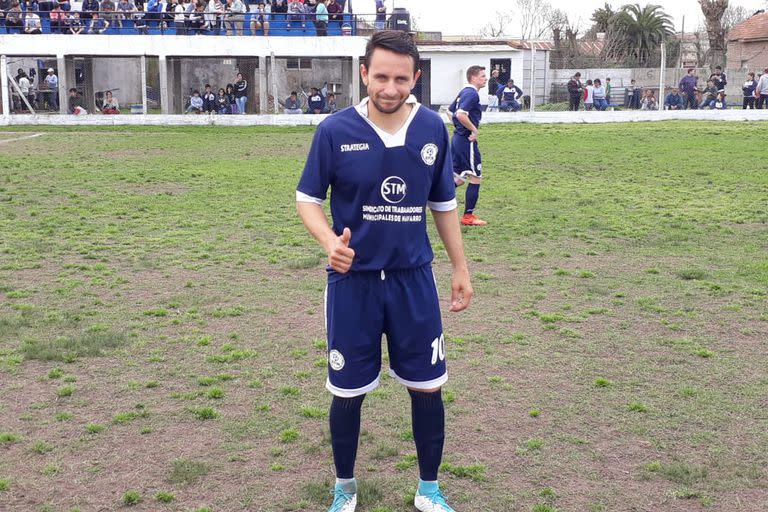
(682, 42)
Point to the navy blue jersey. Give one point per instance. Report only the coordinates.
(381, 183)
(467, 101)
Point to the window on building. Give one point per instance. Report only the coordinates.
(295, 63)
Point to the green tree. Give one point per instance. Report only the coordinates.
(636, 33)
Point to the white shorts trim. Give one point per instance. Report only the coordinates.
(434, 383)
(351, 393)
(442, 206)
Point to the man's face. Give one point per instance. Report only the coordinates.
(479, 80)
(389, 80)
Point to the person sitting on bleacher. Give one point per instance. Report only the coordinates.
(196, 19)
(98, 24)
(13, 16)
(209, 100)
(674, 101)
(195, 103)
(75, 24)
(316, 102)
(109, 12)
(279, 6)
(235, 13)
(110, 105)
(125, 9)
(331, 107)
(292, 104)
(260, 20)
(32, 23)
(87, 10)
(296, 13)
(335, 10)
(58, 19)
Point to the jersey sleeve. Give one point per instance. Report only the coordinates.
(316, 178)
(442, 195)
(468, 99)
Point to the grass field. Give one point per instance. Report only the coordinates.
(162, 344)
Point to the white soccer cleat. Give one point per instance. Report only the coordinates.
(343, 501)
(431, 502)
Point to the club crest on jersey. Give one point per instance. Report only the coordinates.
(336, 360)
(429, 153)
(393, 189)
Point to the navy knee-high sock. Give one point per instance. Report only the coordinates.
(428, 417)
(473, 193)
(345, 432)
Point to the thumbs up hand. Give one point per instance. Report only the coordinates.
(340, 255)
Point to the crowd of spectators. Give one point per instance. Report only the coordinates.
(319, 101)
(503, 97)
(230, 99)
(186, 17)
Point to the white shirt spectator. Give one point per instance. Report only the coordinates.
(32, 22)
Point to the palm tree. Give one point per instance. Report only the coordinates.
(636, 33)
(603, 18)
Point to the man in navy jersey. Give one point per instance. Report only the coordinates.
(386, 160)
(465, 114)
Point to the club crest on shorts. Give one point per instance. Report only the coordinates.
(429, 153)
(336, 360)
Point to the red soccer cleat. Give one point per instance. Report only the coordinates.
(470, 219)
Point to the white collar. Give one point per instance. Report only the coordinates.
(469, 85)
(390, 140)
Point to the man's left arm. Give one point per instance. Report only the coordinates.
(447, 224)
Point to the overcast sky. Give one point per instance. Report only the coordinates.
(467, 17)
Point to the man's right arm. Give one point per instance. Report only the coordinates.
(340, 255)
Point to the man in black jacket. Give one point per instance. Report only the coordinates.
(575, 90)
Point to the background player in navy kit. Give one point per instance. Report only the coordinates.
(465, 114)
(386, 160)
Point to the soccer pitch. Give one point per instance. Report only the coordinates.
(162, 343)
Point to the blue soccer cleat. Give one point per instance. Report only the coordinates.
(344, 498)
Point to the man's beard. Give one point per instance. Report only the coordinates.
(388, 110)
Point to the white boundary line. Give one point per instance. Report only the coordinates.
(581, 117)
(3, 141)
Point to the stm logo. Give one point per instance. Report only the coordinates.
(393, 189)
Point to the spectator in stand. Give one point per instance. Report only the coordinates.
(86, 12)
(32, 23)
(179, 18)
(709, 95)
(316, 102)
(575, 90)
(52, 81)
(608, 88)
(196, 19)
(195, 103)
(279, 6)
(749, 92)
(98, 24)
(231, 99)
(110, 105)
(65, 6)
(296, 14)
(292, 104)
(241, 93)
(126, 9)
(688, 88)
(75, 104)
(209, 100)
(649, 101)
(381, 15)
(673, 100)
(493, 85)
(260, 20)
(321, 18)
(58, 18)
(25, 86)
(335, 11)
(153, 12)
(634, 96)
(589, 95)
(5, 5)
(598, 93)
(109, 12)
(75, 24)
(13, 16)
(718, 78)
(330, 105)
(720, 103)
(235, 16)
(222, 102)
(761, 91)
(510, 97)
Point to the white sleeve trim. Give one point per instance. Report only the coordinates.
(461, 110)
(442, 206)
(301, 197)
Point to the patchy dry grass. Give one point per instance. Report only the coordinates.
(161, 331)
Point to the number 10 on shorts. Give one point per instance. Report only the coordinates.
(438, 349)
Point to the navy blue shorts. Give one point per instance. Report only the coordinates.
(360, 307)
(466, 158)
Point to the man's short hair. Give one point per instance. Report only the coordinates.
(293, 93)
(510, 81)
(73, 90)
(473, 71)
(207, 85)
(577, 74)
(397, 41)
(718, 67)
(689, 70)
